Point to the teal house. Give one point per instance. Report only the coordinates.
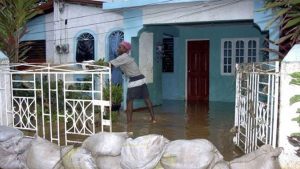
(188, 49)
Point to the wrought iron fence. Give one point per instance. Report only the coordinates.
(256, 110)
(62, 103)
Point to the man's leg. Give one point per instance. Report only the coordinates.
(129, 110)
(149, 105)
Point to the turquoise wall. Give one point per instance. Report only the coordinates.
(222, 88)
(36, 29)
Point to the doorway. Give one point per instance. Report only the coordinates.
(198, 70)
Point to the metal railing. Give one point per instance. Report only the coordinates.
(256, 110)
(57, 102)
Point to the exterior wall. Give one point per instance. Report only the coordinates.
(90, 19)
(50, 43)
(290, 64)
(116, 4)
(224, 10)
(174, 84)
(36, 29)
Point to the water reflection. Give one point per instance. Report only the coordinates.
(187, 120)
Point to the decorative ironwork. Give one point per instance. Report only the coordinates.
(256, 110)
(53, 101)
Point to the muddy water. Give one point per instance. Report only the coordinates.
(182, 120)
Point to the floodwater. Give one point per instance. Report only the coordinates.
(183, 120)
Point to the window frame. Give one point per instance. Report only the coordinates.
(233, 53)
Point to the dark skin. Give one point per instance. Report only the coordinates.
(147, 100)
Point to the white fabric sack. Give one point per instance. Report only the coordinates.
(10, 160)
(43, 154)
(221, 165)
(8, 132)
(263, 158)
(108, 162)
(196, 154)
(143, 152)
(105, 143)
(11, 144)
(79, 158)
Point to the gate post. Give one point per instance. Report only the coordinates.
(5, 91)
(287, 126)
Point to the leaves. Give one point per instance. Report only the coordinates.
(14, 15)
(294, 99)
(287, 14)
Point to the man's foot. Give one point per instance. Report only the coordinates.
(152, 120)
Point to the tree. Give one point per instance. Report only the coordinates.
(14, 14)
(287, 12)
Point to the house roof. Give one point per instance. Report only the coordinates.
(46, 7)
(86, 2)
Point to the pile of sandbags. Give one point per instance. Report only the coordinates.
(118, 151)
(12, 148)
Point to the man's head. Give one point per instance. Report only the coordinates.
(124, 47)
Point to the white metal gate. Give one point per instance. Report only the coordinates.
(256, 110)
(58, 102)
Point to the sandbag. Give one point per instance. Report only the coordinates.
(222, 165)
(79, 158)
(105, 143)
(44, 154)
(12, 154)
(10, 160)
(196, 154)
(263, 158)
(7, 133)
(108, 162)
(143, 152)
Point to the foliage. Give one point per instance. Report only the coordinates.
(101, 62)
(14, 14)
(116, 94)
(296, 81)
(287, 12)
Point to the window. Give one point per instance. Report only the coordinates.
(234, 51)
(85, 49)
(168, 55)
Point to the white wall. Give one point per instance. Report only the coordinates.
(90, 18)
(287, 126)
(222, 10)
(49, 27)
(146, 55)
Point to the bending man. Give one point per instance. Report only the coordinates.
(137, 88)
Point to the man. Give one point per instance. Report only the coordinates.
(137, 88)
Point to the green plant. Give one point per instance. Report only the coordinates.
(287, 12)
(116, 94)
(294, 139)
(296, 98)
(101, 62)
(14, 14)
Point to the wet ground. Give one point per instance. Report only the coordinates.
(182, 120)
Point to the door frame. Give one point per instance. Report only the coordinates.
(186, 63)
